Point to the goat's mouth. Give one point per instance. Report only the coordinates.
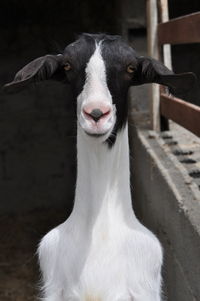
(97, 135)
(96, 131)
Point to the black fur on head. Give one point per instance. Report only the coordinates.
(117, 55)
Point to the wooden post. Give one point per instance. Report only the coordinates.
(152, 22)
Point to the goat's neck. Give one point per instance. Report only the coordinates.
(103, 184)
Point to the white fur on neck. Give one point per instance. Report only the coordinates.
(103, 177)
(101, 252)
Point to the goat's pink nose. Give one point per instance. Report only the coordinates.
(96, 111)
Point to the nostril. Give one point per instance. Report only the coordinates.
(96, 114)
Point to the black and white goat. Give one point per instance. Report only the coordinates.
(102, 252)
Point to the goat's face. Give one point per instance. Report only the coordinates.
(100, 69)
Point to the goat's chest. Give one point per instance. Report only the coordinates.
(100, 273)
(106, 263)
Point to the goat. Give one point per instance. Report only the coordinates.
(101, 252)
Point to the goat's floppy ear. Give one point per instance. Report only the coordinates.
(152, 71)
(40, 69)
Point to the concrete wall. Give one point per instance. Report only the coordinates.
(166, 205)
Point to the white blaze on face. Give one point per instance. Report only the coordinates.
(95, 94)
(95, 88)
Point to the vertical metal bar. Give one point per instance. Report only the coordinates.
(152, 22)
(166, 53)
(164, 17)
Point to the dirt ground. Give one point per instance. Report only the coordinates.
(20, 235)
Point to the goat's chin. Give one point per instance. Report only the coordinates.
(96, 136)
(99, 137)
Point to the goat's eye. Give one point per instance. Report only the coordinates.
(130, 69)
(67, 67)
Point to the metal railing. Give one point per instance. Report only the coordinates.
(182, 30)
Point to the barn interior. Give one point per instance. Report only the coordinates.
(38, 125)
